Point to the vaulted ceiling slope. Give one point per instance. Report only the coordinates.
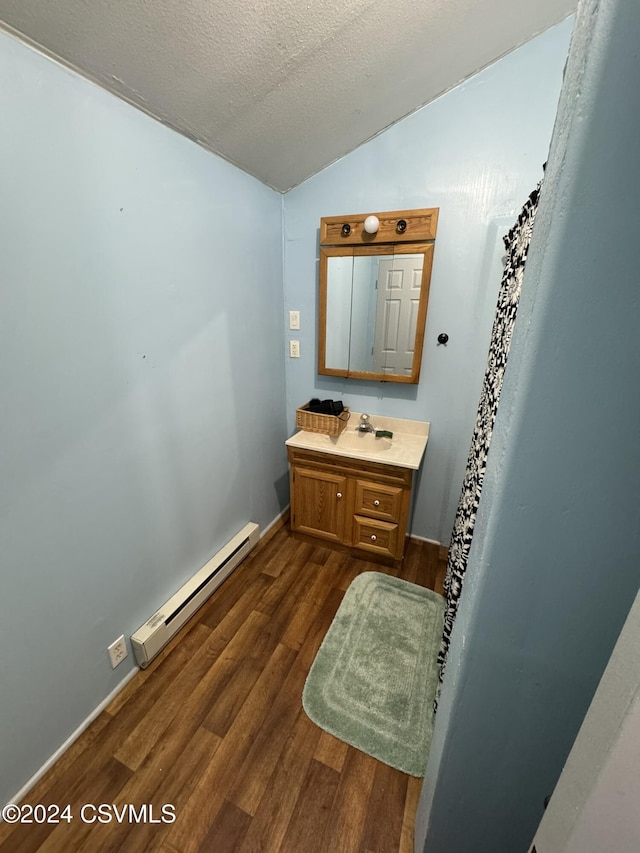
(281, 88)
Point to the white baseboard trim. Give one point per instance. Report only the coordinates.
(275, 521)
(425, 539)
(72, 738)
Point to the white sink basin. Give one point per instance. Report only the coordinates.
(362, 442)
(405, 449)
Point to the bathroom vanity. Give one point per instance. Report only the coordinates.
(353, 491)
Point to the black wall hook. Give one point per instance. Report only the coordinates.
(443, 337)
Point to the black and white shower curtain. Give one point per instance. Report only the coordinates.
(516, 244)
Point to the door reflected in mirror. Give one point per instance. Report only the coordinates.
(372, 312)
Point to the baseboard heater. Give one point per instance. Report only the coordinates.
(151, 637)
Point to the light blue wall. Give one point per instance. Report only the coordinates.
(476, 153)
(143, 403)
(555, 563)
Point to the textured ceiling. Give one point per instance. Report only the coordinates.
(281, 88)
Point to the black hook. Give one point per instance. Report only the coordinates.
(346, 229)
(443, 337)
(401, 227)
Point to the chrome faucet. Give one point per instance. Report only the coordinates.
(365, 425)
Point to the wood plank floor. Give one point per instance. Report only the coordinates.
(215, 728)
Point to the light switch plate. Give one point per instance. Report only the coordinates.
(294, 319)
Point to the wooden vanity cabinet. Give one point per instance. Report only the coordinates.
(350, 504)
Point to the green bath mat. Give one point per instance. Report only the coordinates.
(374, 678)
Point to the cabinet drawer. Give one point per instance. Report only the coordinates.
(378, 501)
(380, 537)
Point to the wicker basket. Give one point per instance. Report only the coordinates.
(325, 424)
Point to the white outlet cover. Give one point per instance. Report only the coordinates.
(117, 651)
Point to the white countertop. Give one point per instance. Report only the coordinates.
(405, 449)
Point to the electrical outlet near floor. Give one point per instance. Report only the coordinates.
(117, 651)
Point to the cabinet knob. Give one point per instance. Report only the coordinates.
(376, 503)
(373, 537)
(339, 495)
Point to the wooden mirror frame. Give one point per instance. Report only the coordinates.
(399, 232)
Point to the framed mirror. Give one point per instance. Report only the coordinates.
(374, 294)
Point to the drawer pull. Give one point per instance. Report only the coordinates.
(373, 537)
(376, 503)
(339, 495)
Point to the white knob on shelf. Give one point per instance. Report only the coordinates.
(339, 495)
(373, 537)
(376, 503)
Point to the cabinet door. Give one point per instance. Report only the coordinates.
(318, 503)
